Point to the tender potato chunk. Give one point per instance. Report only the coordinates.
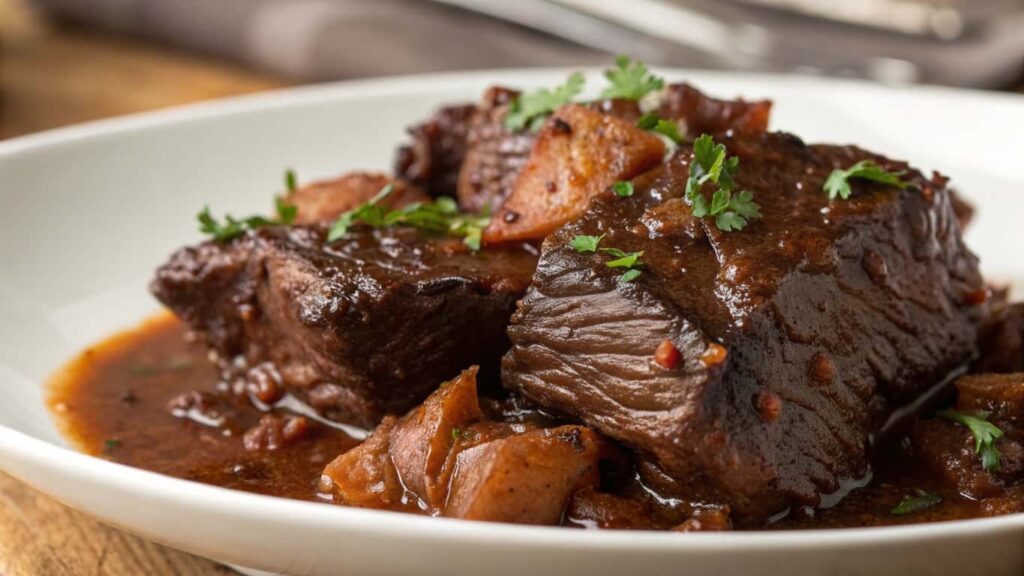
(422, 441)
(325, 200)
(948, 448)
(1000, 394)
(445, 458)
(364, 476)
(577, 155)
(525, 479)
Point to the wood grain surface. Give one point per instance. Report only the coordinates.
(52, 75)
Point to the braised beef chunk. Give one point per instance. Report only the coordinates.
(445, 458)
(702, 114)
(1002, 340)
(950, 449)
(494, 155)
(962, 208)
(792, 339)
(433, 158)
(360, 327)
(466, 150)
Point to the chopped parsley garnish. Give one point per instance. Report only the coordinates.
(290, 181)
(441, 215)
(623, 189)
(838, 182)
(232, 228)
(531, 109)
(629, 260)
(111, 444)
(629, 275)
(623, 259)
(630, 80)
(985, 436)
(711, 164)
(919, 501)
(586, 243)
(456, 433)
(654, 123)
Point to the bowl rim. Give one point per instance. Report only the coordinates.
(21, 447)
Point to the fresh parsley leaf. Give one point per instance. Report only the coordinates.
(586, 243)
(369, 212)
(442, 216)
(286, 212)
(111, 444)
(654, 123)
(630, 80)
(529, 110)
(712, 164)
(456, 433)
(620, 259)
(629, 275)
(232, 227)
(623, 259)
(290, 181)
(838, 182)
(985, 435)
(623, 189)
(919, 501)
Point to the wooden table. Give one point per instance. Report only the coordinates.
(53, 75)
(50, 76)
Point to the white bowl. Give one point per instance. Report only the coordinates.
(87, 212)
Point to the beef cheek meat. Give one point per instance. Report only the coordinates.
(359, 327)
(431, 161)
(793, 339)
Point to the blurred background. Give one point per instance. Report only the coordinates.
(63, 61)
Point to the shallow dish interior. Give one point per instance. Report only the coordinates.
(90, 211)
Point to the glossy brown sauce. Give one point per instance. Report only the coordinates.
(112, 402)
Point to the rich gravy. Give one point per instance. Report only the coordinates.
(112, 402)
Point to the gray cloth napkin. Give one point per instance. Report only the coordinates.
(329, 39)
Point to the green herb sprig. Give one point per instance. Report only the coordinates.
(442, 215)
(291, 182)
(919, 501)
(628, 260)
(623, 189)
(985, 435)
(712, 164)
(232, 228)
(654, 123)
(630, 80)
(531, 109)
(837, 185)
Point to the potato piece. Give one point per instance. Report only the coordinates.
(525, 479)
(364, 476)
(325, 200)
(577, 155)
(1002, 395)
(421, 442)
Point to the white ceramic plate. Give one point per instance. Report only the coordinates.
(86, 213)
